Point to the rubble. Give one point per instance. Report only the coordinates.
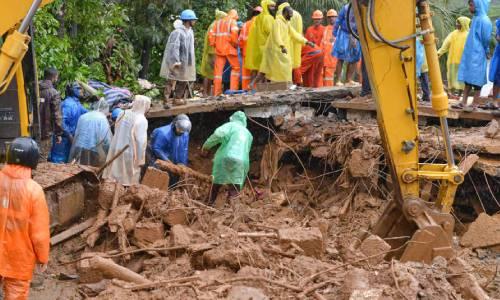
(374, 245)
(310, 240)
(483, 232)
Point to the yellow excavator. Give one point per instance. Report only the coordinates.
(387, 30)
(18, 100)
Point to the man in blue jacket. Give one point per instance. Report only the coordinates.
(171, 142)
(472, 69)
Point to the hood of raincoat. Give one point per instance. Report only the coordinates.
(279, 12)
(101, 106)
(178, 24)
(482, 7)
(265, 4)
(239, 117)
(141, 104)
(219, 14)
(465, 22)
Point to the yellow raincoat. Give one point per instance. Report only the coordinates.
(454, 46)
(208, 57)
(258, 35)
(276, 65)
(298, 25)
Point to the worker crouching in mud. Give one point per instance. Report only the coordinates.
(231, 161)
(171, 143)
(24, 220)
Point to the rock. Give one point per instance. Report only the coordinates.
(374, 245)
(370, 294)
(322, 224)
(465, 282)
(149, 232)
(246, 293)
(364, 200)
(279, 199)
(355, 282)
(175, 216)
(234, 255)
(358, 166)
(320, 152)
(483, 232)
(155, 178)
(180, 235)
(492, 129)
(308, 239)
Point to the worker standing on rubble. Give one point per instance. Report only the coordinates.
(346, 48)
(171, 141)
(50, 101)
(422, 70)
(474, 61)
(243, 42)
(24, 220)
(179, 63)
(454, 46)
(72, 110)
(92, 137)
(257, 39)
(224, 38)
(329, 61)
(311, 69)
(208, 58)
(232, 161)
(131, 129)
(277, 60)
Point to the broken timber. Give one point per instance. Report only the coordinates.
(267, 99)
(182, 170)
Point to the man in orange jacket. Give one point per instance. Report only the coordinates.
(224, 38)
(311, 68)
(329, 62)
(246, 77)
(24, 220)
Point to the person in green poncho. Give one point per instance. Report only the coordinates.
(231, 161)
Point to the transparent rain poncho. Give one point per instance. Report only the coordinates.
(179, 49)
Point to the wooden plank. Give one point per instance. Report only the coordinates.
(71, 232)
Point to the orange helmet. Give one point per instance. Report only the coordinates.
(317, 14)
(258, 8)
(233, 14)
(332, 13)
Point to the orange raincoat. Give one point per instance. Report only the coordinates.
(24, 224)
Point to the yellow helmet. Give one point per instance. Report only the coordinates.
(317, 14)
(332, 13)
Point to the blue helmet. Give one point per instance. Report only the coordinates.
(116, 113)
(188, 15)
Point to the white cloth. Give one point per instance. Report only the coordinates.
(130, 129)
(179, 49)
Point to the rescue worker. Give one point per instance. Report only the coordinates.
(246, 77)
(454, 46)
(131, 129)
(115, 114)
(72, 110)
(473, 64)
(232, 159)
(50, 101)
(208, 58)
(346, 48)
(296, 45)
(92, 137)
(422, 70)
(224, 38)
(24, 220)
(277, 61)
(311, 69)
(329, 61)
(257, 39)
(494, 75)
(171, 141)
(179, 63)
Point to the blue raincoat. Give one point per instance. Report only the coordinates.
(474, 62)
(346, 47)
(494, 75)
(420, 54)
(166, 145)
(71, 110)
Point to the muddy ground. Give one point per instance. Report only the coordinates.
(288, 235)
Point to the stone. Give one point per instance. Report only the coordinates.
(374, 245)
(310, 240)
(355, 281)
(370, 294)
(492, 129)
(234, 255)
(246, 293)
(279, 198)
(180, 235)
(155, 178)
(175, 216)
(483, 232)
(149, 232)
(358, 166)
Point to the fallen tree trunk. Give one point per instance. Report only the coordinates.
(182, 170)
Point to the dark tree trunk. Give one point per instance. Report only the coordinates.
(145, 58)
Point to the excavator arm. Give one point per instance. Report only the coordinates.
(388, 33)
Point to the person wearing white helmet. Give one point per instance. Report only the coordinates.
(179, 64)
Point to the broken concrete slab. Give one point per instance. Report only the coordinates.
(483, 232)
(310, 240)
(155, 178)
(149, 232)
(374, 245)
(246, 293)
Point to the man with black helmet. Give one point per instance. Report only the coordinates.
(24, 220)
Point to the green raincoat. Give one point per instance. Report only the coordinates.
(232, 161)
